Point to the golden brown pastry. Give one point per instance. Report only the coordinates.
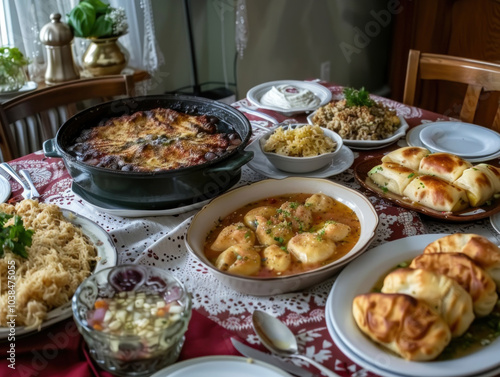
(443, 165)
(409, 157)
(436, 193)
(403, 324)
(478, 186)
(392, 177)
(492, 172)
(470, 276)
(442, 293)
(480, 249)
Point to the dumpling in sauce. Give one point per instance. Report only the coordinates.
(311, 248)
(320, 203)
(272, 232)
(276, 258)
(250, 219)
(239, 260)
(233, 234)
(297, 215)
(440, 292)
(335, 231)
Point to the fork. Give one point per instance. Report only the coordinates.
(26, 175)
(26, 194)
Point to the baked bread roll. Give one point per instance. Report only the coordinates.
(442, 293)
(492, 172)
(470, 276)
(478, 186)
(437, 194)
(391, 176)
(443, 165)
(480, 249)
(409, 157)
(403, 324)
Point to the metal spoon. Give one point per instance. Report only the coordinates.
(279, 339)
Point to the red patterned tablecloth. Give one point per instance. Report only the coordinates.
(218, 312)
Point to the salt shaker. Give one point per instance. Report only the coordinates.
(57, 38)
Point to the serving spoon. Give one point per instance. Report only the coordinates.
(279, 339)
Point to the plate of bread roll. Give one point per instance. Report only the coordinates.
(431, 310)
(440, 185)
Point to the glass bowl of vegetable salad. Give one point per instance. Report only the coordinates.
(133, 318)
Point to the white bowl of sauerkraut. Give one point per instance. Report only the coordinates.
(300, 148)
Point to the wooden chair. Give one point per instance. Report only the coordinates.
(479, 76)
(30, 119)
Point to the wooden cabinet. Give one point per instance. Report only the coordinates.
(467, 28)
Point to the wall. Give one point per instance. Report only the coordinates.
(288, 39)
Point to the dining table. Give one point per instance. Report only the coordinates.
(157, 238)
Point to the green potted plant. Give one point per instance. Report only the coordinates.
(102, 25)
(12, 69)
(95, 19)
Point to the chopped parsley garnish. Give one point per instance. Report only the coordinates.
(359, 97)
(14, 237)
(279, 239)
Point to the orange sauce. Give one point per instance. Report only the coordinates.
(340, 213)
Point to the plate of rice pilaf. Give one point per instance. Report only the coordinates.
(361, 121)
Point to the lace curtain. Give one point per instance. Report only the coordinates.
(29, 16)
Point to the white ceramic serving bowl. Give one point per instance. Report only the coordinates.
(205, 220)
(324, 94)
(301, 164)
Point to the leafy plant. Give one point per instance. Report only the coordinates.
(14, 237)
(95, 19)
(358, 97)
(11, 59)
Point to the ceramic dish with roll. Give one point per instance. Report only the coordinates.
(289, 97)
(302, 148)
(246, 255)
(440, 185)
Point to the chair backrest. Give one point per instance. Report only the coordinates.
(478, 75)
(29, 119)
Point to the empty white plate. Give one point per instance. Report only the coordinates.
(413, 140)
(5, 189)
(221, 366)
(461, 139)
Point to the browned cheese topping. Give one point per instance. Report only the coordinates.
(154, 140)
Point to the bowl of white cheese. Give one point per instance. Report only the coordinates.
(289, 97)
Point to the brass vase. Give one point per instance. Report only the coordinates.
(103, 56)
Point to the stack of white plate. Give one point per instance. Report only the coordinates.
(469, 141)
(359, 277)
